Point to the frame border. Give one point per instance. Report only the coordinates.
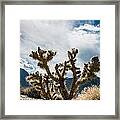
(55, 2)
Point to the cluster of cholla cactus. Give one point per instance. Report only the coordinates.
(51, 85)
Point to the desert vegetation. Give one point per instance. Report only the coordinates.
(51, 85)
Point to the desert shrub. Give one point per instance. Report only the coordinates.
(90, 93)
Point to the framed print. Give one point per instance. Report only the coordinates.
(60, 60)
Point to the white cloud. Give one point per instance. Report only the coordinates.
(88, 27)
(82, 41)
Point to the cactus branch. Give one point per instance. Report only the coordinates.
(53, 83)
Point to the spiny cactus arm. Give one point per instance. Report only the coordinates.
(46, 77)
(37, 82)
(49, 73)
(63, 90)
(61, 69)
(91, 68)
(64, 68)
(75, 94)
(89, 71)
(43, 58)
(71, 55)
(44, 93)
(57, 71)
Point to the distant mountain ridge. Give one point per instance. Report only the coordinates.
(23, 75)
(95, 81)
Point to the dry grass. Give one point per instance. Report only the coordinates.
(90, 93)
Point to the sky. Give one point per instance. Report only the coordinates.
(59, 36)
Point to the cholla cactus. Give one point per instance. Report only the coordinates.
(53, 82)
